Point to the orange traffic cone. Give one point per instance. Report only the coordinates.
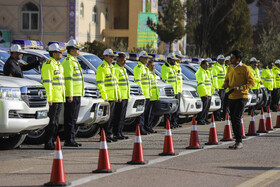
(213, 138)
(278, 118)
(262, 127)
(194, 142)
(168, 148)
(268, 121)
(252, 127)
(227, 131)
(242, 127)
(58, 174)
(104, 164)
(138, 155)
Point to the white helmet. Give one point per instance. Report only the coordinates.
(227, 58)
(109, 52)
(253, 59)
(55, 47)
(144, 54)
(179, 54)
(221, 57)
(16, 48)
(172, 56)
(277, 61)
(73, 43)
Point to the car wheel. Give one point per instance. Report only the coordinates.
(87, 131)
(11, 142)
(35, 137)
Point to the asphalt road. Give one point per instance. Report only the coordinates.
(257, 164)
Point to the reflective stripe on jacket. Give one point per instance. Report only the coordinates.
(141, 77)
(73, 75)
(53, 80)
(123, 82)
(276, 74)
(203, 82)
(168, 75)
(178, 71)
(219, 74)
(107, 82)
(155, 89)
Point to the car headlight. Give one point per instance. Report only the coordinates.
(10, 93)
(187, 93)
(162, 92)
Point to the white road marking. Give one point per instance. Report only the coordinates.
(18, 171)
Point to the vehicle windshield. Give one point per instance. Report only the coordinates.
(94, 60)
(131, 64)
(188, 73)
(4, 56)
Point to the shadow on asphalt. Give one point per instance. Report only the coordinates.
(250, 168)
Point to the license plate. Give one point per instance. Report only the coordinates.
(41, 114)
(140, 108)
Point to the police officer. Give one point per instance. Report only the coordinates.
(204, 90)
(178, 71)
(13, 68)
(53, 81)
(276, 87)
(169, 75)
(74, 89)
(227, 61)
(141, 77)
(257, 78)
(120, 109)
(155, 95)
(219, 71)
(267, 78)
(108, 87)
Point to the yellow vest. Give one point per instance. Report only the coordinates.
(219, 75)
(168, 74)
(155, 89)
(267, 78)
(141, 77)
(178, 71)
(257, 78)
(276, 73)
(204, 86)
(53, 80)
(123, 82)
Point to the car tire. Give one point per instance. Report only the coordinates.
(35, 137)
(11, 142)
(87, 131)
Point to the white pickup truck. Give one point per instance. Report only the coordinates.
(23, 109)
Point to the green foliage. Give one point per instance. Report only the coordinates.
(170, 26)
(95, 47)
(148, 48)
(218, 26)
(119, 45)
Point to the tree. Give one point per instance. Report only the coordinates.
(170, 26)
(218, 26)
(95, 47)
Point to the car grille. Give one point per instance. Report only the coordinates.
(135, 90)
(194, 93)
(139, 102)
(34, 97)
(169, 92)
(92, 92)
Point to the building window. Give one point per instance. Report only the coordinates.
(82, 9)
(94, 14)
(107, 14)
(30, 17)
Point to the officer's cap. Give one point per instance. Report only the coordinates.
(227, 58)
(172, 56)
(121, 55)
(144, 54)
(109, 52)
(253, 59)
(277, 61)
(210, 60)
(221, 57)
(55, 47)
(179, 54)
(73, 43)
(16, 48)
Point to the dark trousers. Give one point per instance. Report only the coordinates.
(255, 91)
(236, 108)
(219, 113)
(71, 112)
(150, 118)
(202, 116)
(119, 117)
(108, 126)
(275, 99)
(52, 128)
(226, 106)
(143, 120)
